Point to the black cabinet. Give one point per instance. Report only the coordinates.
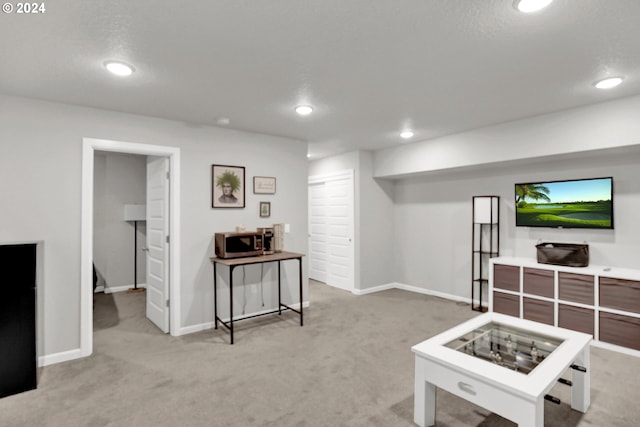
(17, 318)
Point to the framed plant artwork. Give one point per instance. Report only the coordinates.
(264, 185)
(227, 186)
(265, 209)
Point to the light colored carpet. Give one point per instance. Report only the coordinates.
(350, 365)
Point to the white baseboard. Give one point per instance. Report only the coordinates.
(114, 289)
(195, 328)
(210, 325)
(63, 356)
(404, 287)
(433, 293)
(374, 289)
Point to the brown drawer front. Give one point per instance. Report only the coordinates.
(575, 287)
(538, 311)
(506, 277)
(575, 318)
(538, 282)
(620, 294)
(506, 304)
(620, 330)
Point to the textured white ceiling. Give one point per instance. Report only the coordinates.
(370, 67)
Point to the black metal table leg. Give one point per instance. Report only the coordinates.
(231, 301)
(215, 297)
(300, 281)
(279, 293)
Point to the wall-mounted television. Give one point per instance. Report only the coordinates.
(577, 203)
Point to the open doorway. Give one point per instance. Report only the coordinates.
(169, 300)
(119, 236)
(119, 222)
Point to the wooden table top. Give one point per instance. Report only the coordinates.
(278, 256)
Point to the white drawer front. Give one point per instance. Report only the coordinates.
(494, 399)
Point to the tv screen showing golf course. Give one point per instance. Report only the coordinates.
(579, 203)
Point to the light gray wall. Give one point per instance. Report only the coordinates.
(40, 183)
(435, 180)
(119, 179)
(606, 125)
(373, 217)
(433, 218)
(424, 195)
(376, 230)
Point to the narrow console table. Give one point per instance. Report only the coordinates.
(232, 263)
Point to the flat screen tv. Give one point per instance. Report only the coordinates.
(578, 203)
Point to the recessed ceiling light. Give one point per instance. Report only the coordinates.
(308, 155)
(304, 110)
(528, 6)
(223, 121)
(406, 134)
(608, 83)
(119, 68)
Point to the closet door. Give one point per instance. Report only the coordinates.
(318, 229)
(331, 229)
(17, 319)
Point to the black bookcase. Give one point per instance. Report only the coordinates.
(18, 360)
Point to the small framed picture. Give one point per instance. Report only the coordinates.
(264, 185)
(227, 186)
(265, 209)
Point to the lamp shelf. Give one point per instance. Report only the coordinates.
(485, 241)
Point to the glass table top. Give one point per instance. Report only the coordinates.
(513, 348)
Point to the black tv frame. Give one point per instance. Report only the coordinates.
(568, 225)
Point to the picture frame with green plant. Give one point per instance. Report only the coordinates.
(227, 186)
(265, 209)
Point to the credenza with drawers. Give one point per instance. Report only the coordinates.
(599, 300)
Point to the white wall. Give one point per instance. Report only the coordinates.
(433, 200)
(606, 125)
(119, 179)
(40, 183)
(414, 201)
(433, 219)
(376, 230)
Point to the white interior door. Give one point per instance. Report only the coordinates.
(317, 232)
(157, 241)
(331, 235)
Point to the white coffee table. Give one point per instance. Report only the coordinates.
(516, 396)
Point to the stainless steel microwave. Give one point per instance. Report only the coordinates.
(239, 244)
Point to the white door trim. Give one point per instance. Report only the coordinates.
(89, 146)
